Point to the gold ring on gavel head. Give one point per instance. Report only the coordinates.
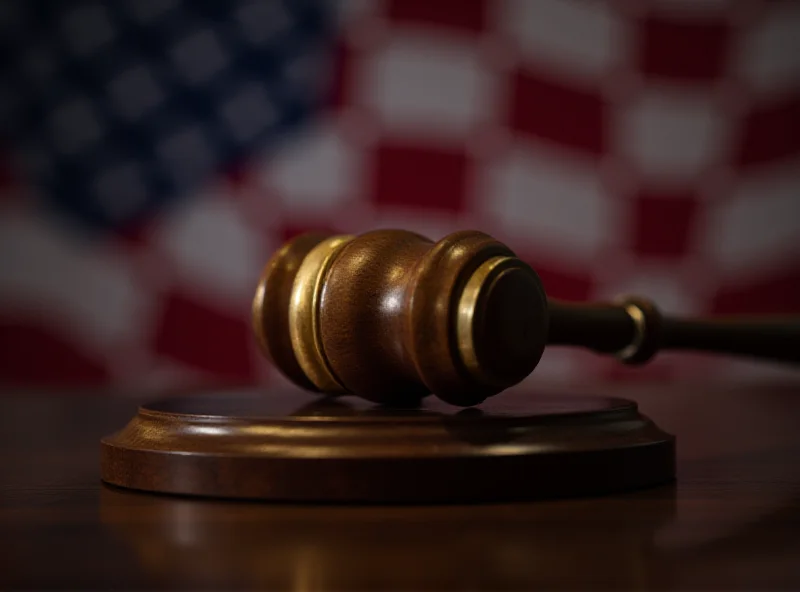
(304, 313)
(640, 330)
(501, 321)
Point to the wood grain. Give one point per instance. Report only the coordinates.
(396, 317)
(363, 314)
(297, 447)
(270, 310)
(389, 309)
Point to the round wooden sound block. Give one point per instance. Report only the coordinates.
(295, 446)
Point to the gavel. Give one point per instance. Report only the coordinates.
(392, 317)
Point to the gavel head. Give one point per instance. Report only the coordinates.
(391, 316)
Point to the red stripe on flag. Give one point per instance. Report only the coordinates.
(571, 117)
(469, 15)
(205, 339)
(684, 50)
(771, 132)
(37, 356)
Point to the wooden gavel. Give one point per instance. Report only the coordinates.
(391, 316)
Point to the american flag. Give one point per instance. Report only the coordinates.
(156, 152)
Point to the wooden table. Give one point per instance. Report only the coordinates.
(732, 520)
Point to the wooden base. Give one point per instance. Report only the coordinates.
(295, 446)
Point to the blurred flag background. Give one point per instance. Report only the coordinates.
(156, 152)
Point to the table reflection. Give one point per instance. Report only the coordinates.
(547, 544)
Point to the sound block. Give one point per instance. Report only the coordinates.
(295, 446)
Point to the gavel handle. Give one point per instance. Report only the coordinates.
(612, 328)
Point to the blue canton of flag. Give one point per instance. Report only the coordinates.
(114, 109)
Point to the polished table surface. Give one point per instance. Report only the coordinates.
(731, 521)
